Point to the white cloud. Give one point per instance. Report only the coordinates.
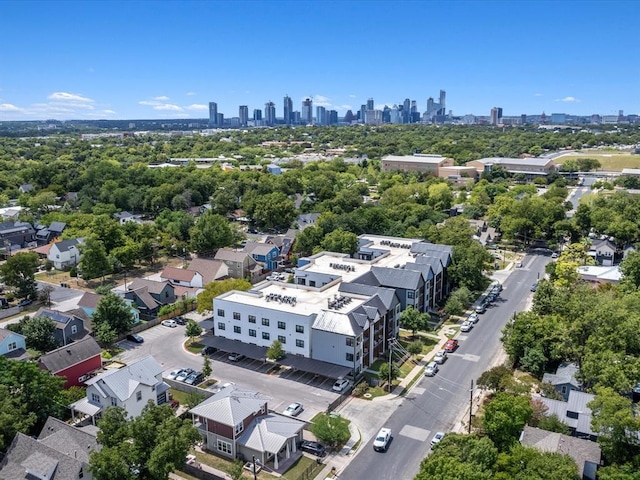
(344, 107)
(538, 95)
(161, 98)
(108, 112)
(168, 106)
(352, 96)
(68, 97)
(191, 94)
(7, 107)
(568, 100)
(150, 103)
(197, 106)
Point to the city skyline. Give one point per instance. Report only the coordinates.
(146, 60)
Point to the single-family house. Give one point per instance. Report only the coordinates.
(124, 217)
(627, 250)
(45, 234)
(89, 303)
(13, 345)
(130, 387)
(305, 220)
(236, 423)
(266, 254)
(239, 263)
(65, 253)
(149, 296)
(604, 252)
(69, 327)
(10, 214)
(585, 453)
(60, 452)
(598, 274)
(75, 362)
(16, 234)
(574, 413)
(209, 269)
(181, 276)
(564, 380)
(26, 188)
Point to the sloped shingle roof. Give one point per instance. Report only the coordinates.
(69, 355)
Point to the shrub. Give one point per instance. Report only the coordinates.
(360, 389)
(415, 347)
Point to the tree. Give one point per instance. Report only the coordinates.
(412, 319)
(105, 334)
(148, 446)
(94, 262)
(211, 232)
(192, 330)
(274, 211)
(614, 419)
(458, 301)
(14, 417)
(214, 289)
(415, 347)
(206, 366)
(383, 373)
(505, 417)
(495, 378)
(468, 266)
(525, 463)
(340, 241)
(275, 352)
(331, 430)
(19, 272)
(236, 470)
(44, 294)
(113, 311)
(39, 333)
(630, 268)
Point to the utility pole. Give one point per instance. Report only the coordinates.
(470, 406)
(390, 361)
(255, 475)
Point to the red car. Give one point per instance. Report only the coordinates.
(451, 345)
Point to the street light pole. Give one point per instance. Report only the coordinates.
(470, 407)
(255, 475)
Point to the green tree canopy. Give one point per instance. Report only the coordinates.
(114, 312)
(330, 429)
(94, 262)
(504, 418)
(39, 332)
(218, 287)
(19, 272)
(211, 232)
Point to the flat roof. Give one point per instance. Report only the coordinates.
(532, 161)
(435, 159)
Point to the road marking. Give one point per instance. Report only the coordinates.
(466, 356)
(415, 433)
(418, 390)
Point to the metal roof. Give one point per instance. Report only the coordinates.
(123, 382)
(230, 406)
(269, 433)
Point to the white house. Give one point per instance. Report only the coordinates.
(65, 254)
(130, 387)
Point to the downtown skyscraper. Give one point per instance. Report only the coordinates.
(288, 110)
(306, 115)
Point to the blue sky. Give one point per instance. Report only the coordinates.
(164, 59)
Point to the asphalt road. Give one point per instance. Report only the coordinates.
(165, 345)
(435, 404)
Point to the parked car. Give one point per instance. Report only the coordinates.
(340, 385)
(169, 323)
(518, 264)
(25, 302)
(208, 350)
(440, 357)
(437, 438)
(491, 298)
(134, 337)
(180, 320)
(382, 439)
(451, 345)
(474, 317)
(194, 379)
(314, 448)
(466, 326)
(184, 374)
(293, 410)
(236, 357)
(174, 373)
(431, 370)
(534, 287)
(554, 255)
(481, 308)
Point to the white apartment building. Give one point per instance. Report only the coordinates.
(340, 312)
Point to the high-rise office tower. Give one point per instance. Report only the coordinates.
(493, 117)
(363, 113)
(406, 111)
(220, 121)
(270, 113)
(213, 114)
(332, 117)
(443, 103)
(243, 114)
(288, 110)
(321, 116)
(257, 114)
(370, 105)
(499, 114)
(307, 111)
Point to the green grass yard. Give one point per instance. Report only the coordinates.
(609, 159)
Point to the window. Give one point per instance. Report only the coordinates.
(95, 398)
(266, 336)
(282, 325)
(282, 339)
(13, 346)
(114, 402)
(349, 342)
(238, 428)
(300, 343)
(138, 396)
(236, 315)
(237, 329)
(265, 322)
(252, 319)
(221, 326)
(74, 329)
(312, 283)
(349, 357)
(299, 328)
(220, 312)
(224, 447)
(252, 332)
(411, 294)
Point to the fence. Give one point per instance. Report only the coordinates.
(186, 388)
(196, 471)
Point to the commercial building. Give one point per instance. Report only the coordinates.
(306, 116)
(532, 167)
(288, 110)
(423, 163)
(339, 313)
(243, 115)
(270, 113)
(213, 114)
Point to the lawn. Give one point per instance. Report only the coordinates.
(179, 396)
(224, 464)
(609, 160)
(195, 347)
(300, 468)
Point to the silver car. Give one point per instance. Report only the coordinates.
(431, 370)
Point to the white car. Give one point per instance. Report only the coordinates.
(437, 438)
(340, 385)
(169, 323)
(466, 326)
(440, 357)
(382, 439)
(174, 373)
(293, 410)
(474, 317)
(431, 370)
